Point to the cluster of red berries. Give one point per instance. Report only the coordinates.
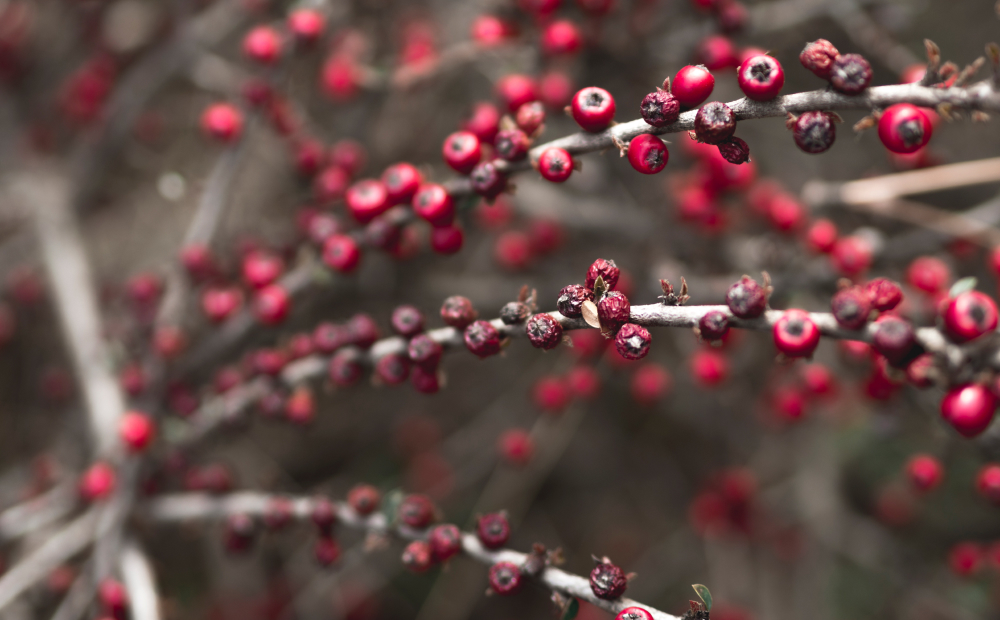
(552, 393)
(725, 505)
(969, 558)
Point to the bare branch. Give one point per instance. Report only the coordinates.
(137, 574)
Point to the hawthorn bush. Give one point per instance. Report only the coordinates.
(360, 310)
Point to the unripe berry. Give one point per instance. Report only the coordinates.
(969, 408)
(512, 144)
(593, 108)
(713, 325)
(988, 482)
(608, 581)
(487, 181)
(632, 341)
(416, 511)
(613, 311)
(445, 542)
(647, 153)
(505, 578)
(714, 123)
(761, 78)
(341, 253)
(571, 298)
(692, 85)
(98, 482)
(529, 118)
(516, 446)
(345, 368)
(660, 108)
(795, 334)
(818, 57)
(516, 90)
(634, 613)
(717, 52)
(136, 430)
(364, 499)
(814, 131)
(458, 312)
(561, 37)
(417, 557)
(851, 255)
(271, 304)
(401, 182)
(925, 472)
(262, 45)
(929, 274)
(434, 204)
(306, 25)
(326, 551)
(447, 239)
(851, 307)
(555, 165)
(969, 315)
(747, 299)
(493, 530)
(904, 128)
(461, 151)
(605, 269)
(543, 331)
(222, 122)
(709, 367)
(850, 74)
(482, 339)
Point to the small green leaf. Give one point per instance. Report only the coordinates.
(962, 286)
(570, 611)
(390, 505)
(704, 595)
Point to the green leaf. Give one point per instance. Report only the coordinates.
(390, 505)
(570, 611)
(962, 286)
(704, 595)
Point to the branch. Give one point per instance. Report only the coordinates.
(199, 506)
(38, 512)
(137, 573)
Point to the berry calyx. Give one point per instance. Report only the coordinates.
(818, 57)
(555, 165)
(714, 123)
(136, 431)
(607, 580)
(814, 132)
(850, 74)
(632, 341)
(969, 315)
(747, 299)
(904, 128)
(505, 578)
(692, 85)
(760, 78)
(482, 339)
(660, 108)
(647, 153)
(795, 334)
(493, 530)
(634, 613)
(969, 409)
(593, 108)
(461, 151)
(543, 331)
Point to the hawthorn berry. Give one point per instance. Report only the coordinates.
(529, 118)
(482, 339)
(647, 153)
(341, 253)
(323, 514)
(515, 313)
(458, 312)
(634, 613)
(605, 269)
(561, 38)
(632, 341)
(571, 298)
(650, 383)
(362, 331)
(484, 122)
(714, 123)
(417, 557)
(461, 151)
(747, 299)
(814, 131)
(818, 57)
(516, 446)
(988, 482)
(851, 255)
(133, 379)
(447, 239)
(555, 164)
(692, 85)
(222, 122)
(555, 90)
(607, 580)
(969, 408)
(487, 181)
(513, 250)
(493, 530)
(407, 320)
(822, 236)
(925, 472)
(345, 368)
(489, 30)
(169, 341)
(920, 372)
(367, 199)
(516, 90)
(795, 334)
(551, 394)
(734, 150)
(965, 558)
(364, 499)
(505, 578)
(445, 542)
(543, 331)
(218, 304)
(262, 45)
(393, 368)
(512, 144)
(717, 52)
(401, 182)
(713, 325)
(349, 155)
(113, 596)
(433, 203)
(261, 268)
(416, 511)
(660, 108)
(331, 184)
(929, 274)
(613, 311)
(384, 233)
(761, 77)
(904, 128)
(326, 551)
(851, 307)
(425, 380)
(306, 25)
(136, 430)
(732, 16)
(850, 74)
(593, 108)
(895, 339)
(327, 337)
(969, 315)
(97, 482)
(709, 367)
(271, 304)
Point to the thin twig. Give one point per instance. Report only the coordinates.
(137, 574)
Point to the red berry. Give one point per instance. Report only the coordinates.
(326, 551)
(606, 270)
(392, 369)
(340, 77)
(714, 123)
(434, 204)
(408, 321)
(965, 558)
(367, 199)
(341, 253)
(349, 155)
(416, 511)
(461, 151)
(113, 596)
(493, 530)
(969, 315)
(263, 45)
(401, 182)
(851, 255)
(692, 85)
(608, 581)
(571, 298)
(482, 339)
(513, 250)
(761, 78)
(489, 30)
(735, 151)
(345, 368)
(447, 239)
(660, 108)
(814, 131)
(634, 613)
(97, 482)
(306, 25)
(709, 367)
(516, 446)
(895, 339)
(647, 153)
(818, 380)
(331, 184)
(484, 122)
(795, 334)
(717, 52)
(417, 557)
(222, 122)
(169, 341)
(516, 90)
(747, 299)
(904, 128)
(445, 542)
(512, 144)
(551, 394)
(613, 311)
(851, 307)
(328, 337)
(487, 180)
(261, 269)
(543, 331)
(555, 165)
(271, 304)
(458, 312)
(424, 351)
(555, 90)
(133, 379)
(362, 331)
(136, 430)
(650, 383)
(969, 409)
(822, 236)
(632, 341)
(300, 407)
(425, 380)
(818, 57)
(988, 482)
(529, 117)
(929, 274)
(505, 578)
(850, 74)
(561, 38)
(593, 108)
(219, 304)
(713, 325)
(924, 471)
